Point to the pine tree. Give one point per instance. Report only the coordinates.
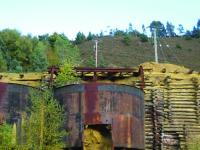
(180, 29)
(170, 30)
(43, 123)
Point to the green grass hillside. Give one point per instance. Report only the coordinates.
(115, 53)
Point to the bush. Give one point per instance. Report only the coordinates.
(67, 74)
(119, 33)
(143, 38)
(7, 138)
(188, 38)
(178, 46)
(126, 40)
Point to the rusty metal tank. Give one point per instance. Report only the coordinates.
(13, 98)
(119, 109)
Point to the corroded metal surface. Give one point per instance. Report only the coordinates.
(91, 109)
(120, 106)
(97, 74)
(2, 101)
(13, 98)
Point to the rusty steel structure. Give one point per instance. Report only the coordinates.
(117, 109)
(13, 100)
(120, 106)
(96, 74)
(108, 101)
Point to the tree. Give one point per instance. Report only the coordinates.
(180, 29)
(126, 40)
(8, 40)
(26, 53)
(101, 34)
(80, 37)
(44, 37)
(198, 24)
(66, 51)
(3, 63)
(24, 49)
(90, 36)
(67, 74)
(130, 27)
(61, 49)
(188, 35)
(170, 30)
(195, 32)
(135, 33)
(143, 38)
(42, 125)
(52, 39)
(160, 28)
(143, 29)
(10, 37)
(119, 33)
(38, 58)
(15, 66)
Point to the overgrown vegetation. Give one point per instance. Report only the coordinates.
(7, 139)
(42, 125)
(67, 74)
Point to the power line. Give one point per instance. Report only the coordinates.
(163, 53)
(96, 53)
(175, 56)
(155, 46)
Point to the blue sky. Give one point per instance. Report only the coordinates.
(71, 16)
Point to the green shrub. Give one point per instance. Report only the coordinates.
(126, 40)
(143, 38)
(67, 74)
(188, 38)
(178, 46)
(7, 136)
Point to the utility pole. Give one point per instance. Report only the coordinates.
(96, 53)
(155, 46)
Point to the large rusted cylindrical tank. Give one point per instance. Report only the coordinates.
(118, 108)
(13, 98)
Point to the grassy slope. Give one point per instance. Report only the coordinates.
(116, 53)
